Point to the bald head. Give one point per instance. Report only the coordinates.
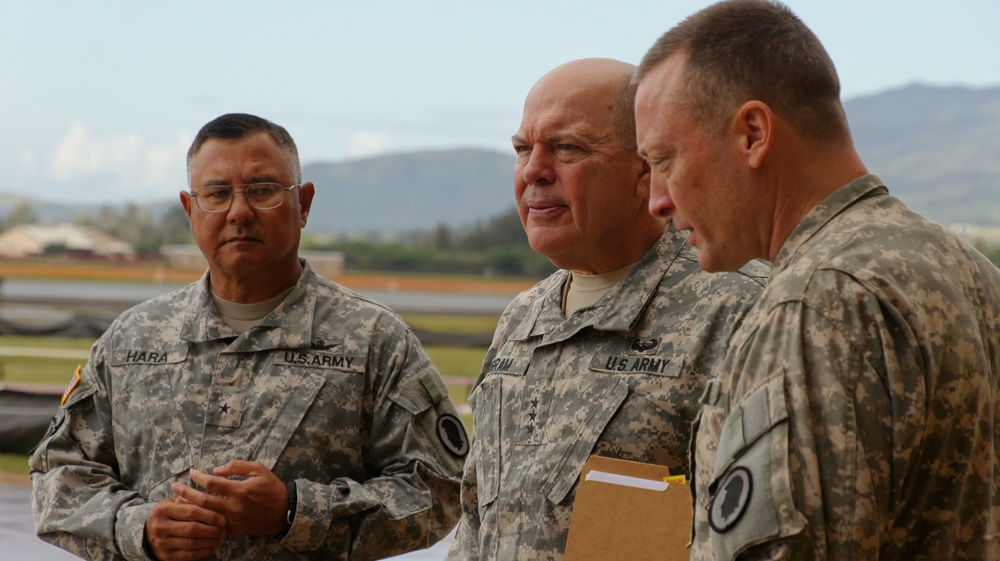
(601, 85)
(582, 191)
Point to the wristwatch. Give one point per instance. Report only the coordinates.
(293, 501)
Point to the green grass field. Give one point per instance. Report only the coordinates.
(13, 463)
(451, 362)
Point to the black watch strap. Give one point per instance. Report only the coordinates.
(293, 501)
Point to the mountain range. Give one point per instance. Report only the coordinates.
(396, 193)
(937, 148)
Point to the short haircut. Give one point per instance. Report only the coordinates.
(235, 126)
(623, 114)
(742, 50)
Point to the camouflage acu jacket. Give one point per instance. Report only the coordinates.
(856, 415)
(329, 390)
(621, 378)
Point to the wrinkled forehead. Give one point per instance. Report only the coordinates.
(248, 159)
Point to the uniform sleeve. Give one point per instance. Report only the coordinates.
(466, 545)
(416, 449)
(805, 458)
(78, 502)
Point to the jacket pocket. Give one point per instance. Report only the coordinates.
(150, 438)
(485, 402)
(286, 417)
(751, 498)
(610, 393)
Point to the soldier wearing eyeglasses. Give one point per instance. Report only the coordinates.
(262, 412)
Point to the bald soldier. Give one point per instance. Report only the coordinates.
(610, 354)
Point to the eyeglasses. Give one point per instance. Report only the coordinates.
(261, 196)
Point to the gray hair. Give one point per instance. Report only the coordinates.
(234, 126)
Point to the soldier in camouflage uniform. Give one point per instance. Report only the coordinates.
(263, 412)
(610, 354)
(855, 414)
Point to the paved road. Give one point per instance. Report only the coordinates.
(17, 534)
(19, 543)
(120, 295)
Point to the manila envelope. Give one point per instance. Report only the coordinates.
(624, 510)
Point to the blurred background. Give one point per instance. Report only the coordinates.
(403, 114)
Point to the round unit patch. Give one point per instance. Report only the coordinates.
(731, 500)
(451, 432)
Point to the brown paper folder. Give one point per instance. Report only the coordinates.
(613, 521)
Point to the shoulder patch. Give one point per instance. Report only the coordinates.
(731, 500)
(72, 385)
(452, 435)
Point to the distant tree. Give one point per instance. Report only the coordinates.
(442, 237)
(21, 214)
(497, 247)
(990, 249)
(503, 230)
(133, 225)
(108, 220)
(509, 262)
(175, 227)
(59, 248)
(522, 261)
(138, 227)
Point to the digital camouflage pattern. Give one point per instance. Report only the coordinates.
(858, 401)
(621, 379)
(330, 390)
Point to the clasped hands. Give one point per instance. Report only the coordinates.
(195, 523)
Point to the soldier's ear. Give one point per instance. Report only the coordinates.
(754, 127)
(306, 193)
(186, 203)
(642, 182)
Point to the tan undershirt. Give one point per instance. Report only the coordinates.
(241, 317)
(584, 290)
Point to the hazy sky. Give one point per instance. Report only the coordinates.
(101, 99)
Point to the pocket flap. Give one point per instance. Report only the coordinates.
(757, 414)
(420, 393)
(281, 429)
(567, 471)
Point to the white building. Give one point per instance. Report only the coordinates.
(35, 240)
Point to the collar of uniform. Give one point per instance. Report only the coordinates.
(634, 292)
(540, 301)
(203, 323)
(630, 297)
(861, 188)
